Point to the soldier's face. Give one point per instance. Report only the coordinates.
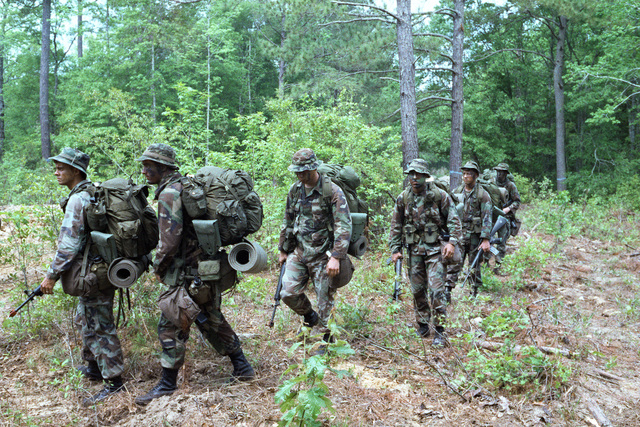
(308, 178)
(469, 177)
(152, 171)
(417, 180)
(65, 174)
(502, 175)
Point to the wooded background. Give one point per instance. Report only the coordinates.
(550, 87)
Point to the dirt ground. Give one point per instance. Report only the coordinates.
(582, 309)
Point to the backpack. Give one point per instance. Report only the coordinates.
(497, 197)
(348, 180)
(120, 208)
(224, 195)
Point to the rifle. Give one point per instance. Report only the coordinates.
(396, 284)
(30, 295)
(276, 297)
(501, 222)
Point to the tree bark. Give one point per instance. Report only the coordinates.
(558, 91)
(2, 136)
(45, 136)
(406, 62)
(457, 94)
(80, 29)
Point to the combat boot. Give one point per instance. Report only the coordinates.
(322, 348)
(242, 370)
(423, 330)
(311, 319)
(166, 385)
(91, 371)
(447, 294)
(439, 339)
(114, 385)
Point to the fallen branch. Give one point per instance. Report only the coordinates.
(597, 413)
(632, 255)
(494, 346)
(607, 374)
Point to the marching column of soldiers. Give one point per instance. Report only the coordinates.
(435, 229)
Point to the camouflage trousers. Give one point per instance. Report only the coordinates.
(294, 283)
(469, 249)
(100, 341)
(503, 235)
(215, 329)
(426, 274)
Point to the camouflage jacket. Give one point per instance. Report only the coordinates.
(422, 219)
(73, 233)
(477, 212)
(317, 222)
(513, 197)
(178, 244)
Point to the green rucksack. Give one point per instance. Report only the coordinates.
(120, 208)
(348, 180)
(227, 196)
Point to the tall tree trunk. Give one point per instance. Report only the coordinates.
(457, 94)
(558, 91)
(45, 137)
(79, 28)
(2, 137)
(282, 65)
(406, 62)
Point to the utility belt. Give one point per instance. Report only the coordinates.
(429, 234)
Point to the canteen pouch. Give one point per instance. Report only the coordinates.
(178, 307)
(95, 278)
(410, 234)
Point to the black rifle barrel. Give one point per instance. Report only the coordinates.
(276, 297)
(36, 293)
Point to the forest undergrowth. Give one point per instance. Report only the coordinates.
(552, 338)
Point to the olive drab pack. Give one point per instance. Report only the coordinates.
(227, 196)
(120, 207)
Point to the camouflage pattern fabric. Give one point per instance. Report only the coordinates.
(95, 314)
(294, 283)
(318, 229)
(513, 202)
(73, 233)
(160, 153)
(425, 211)
(74, 158)
(310, 221)
(426, 275)
(303, 160)
(476, 226)
(178, 250)
(215, 329)
(100, 341)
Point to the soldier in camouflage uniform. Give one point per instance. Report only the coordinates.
(476, 224)
(100, 344)
(511, 206)
(177, 255)
(426, 220)
(314, 238)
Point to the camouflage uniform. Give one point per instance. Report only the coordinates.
(421, 220)
(178, 251)
(316, 226)
(94, 312)
(512, 202)
(476, 226)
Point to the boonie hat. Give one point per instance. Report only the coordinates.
(304, 160)
(502, 167)
(74, 158)
(471, 165)
(160, 153)
(418, 165)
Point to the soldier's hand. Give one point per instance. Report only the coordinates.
(282, 258)
(396, 256)
(333, 267)
(485, 245)
(448, 250)
(47, 285)
(506, 210)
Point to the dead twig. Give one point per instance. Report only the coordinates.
(597, 412)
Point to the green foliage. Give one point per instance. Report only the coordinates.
(303, 397)
(505, 323)
(527, 262)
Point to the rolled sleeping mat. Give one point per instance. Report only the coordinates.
(248, 257)
(358, 248)
(124, 272)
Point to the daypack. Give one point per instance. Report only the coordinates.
(497, 197)
(227, 196)
(120, 208)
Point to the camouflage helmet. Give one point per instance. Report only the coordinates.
(160, 153)
(74, 158)
(502, 167)
(304, 160)
(471, 165)
(418, 165)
